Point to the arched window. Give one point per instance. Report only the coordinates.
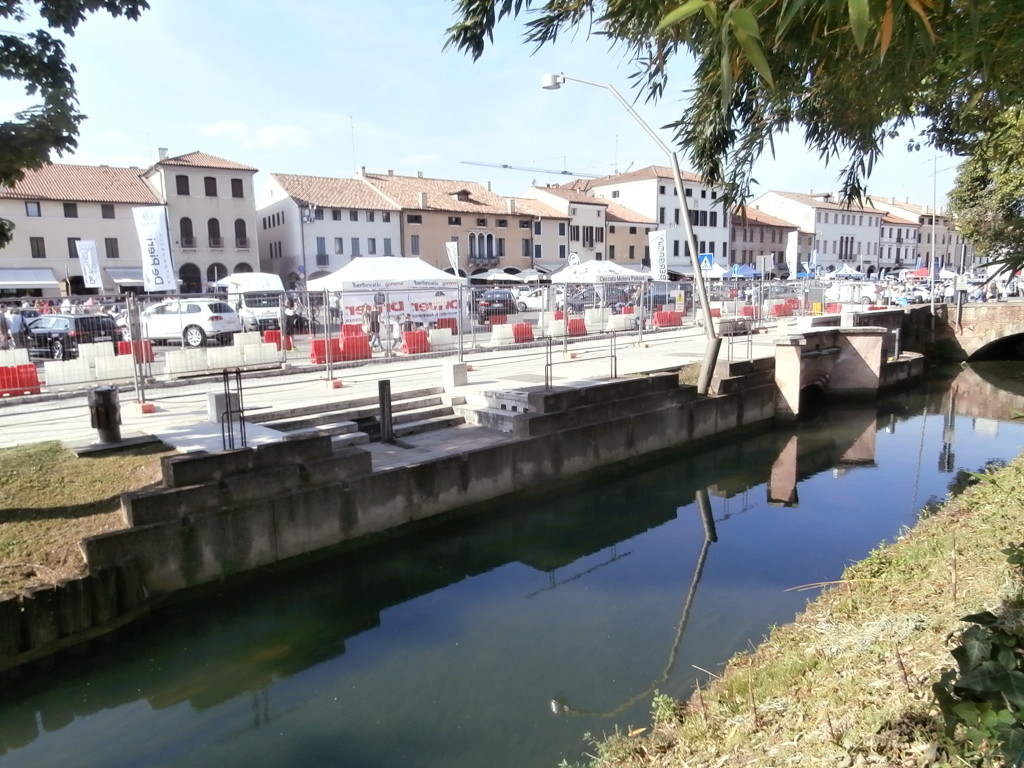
(188, 235)
(243, 267)
(472, 245)
(215, 272)
(241, 239)
(213, 230)
(490, 246)
(191, 278)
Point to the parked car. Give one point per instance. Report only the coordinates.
(58, 336)
(191, 321)
(594, 297)
(536, 299)
(495, 301)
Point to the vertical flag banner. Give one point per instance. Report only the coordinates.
(90, 262)
(657, 241)
(157, 268)
(453, 254)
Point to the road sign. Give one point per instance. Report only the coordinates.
(706, 260)
(574, 259)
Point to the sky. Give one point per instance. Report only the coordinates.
(324, 87)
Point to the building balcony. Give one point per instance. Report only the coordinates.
(188, 242)
(216, 242)
(323, 260)
(242, 243)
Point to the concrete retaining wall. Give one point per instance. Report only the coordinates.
(194, 537)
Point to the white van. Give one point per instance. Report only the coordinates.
(258, 297)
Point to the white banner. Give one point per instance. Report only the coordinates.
(420, 306)
(157, 268)
(658, 243)
(90, 261)
(453, 254)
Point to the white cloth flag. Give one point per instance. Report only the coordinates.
(658, 243)
(453, 254)
(90, 262)
(157, 268)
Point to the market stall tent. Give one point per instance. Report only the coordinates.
(598, 272)
(384, 273)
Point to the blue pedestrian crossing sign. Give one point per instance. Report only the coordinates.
(706, 260)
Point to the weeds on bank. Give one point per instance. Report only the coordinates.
(850, 682)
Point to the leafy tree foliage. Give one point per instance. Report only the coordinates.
(37, 59)
(988, 200)
(848, 73)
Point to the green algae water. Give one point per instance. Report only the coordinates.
(501, 636)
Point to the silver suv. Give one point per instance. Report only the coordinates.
(192, 321)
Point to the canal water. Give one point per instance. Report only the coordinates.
(499, 638)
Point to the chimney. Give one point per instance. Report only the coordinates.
(390, 172)
(362, 170)
(162, 153)
(423, 199)
(488, 186)
(419, 174)
(511, 205)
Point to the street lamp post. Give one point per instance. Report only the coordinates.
(554, 82)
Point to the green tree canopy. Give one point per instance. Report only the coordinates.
(37, 59)
(988, 200)
(848, 73)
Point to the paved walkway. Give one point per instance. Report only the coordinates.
(180, 413)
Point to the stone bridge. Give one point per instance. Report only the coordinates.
(972, 330)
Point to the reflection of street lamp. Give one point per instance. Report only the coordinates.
(554, 82)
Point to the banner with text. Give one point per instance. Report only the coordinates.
(90, 262)
(422, 307)
(658, 243)
(157, 268)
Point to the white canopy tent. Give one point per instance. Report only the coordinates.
(385, 273)
(593, 272)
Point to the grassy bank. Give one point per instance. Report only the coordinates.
(50, 500)
(849, 683)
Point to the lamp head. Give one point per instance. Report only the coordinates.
(552, 82)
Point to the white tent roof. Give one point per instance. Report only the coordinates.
(383, 273)
(598, 272)
(847, 271)
(715, 272)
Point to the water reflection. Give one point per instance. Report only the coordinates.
(453, 645)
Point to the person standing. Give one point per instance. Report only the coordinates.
(15, 326)
(373, 327)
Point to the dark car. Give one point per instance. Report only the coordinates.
(596, 297)
(495, 301)
(58, 336)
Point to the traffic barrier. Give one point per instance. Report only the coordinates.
(14, 381)
(415, 342)
(749, 311)
(224, 357)
(142, 348)
(522, 332)
(260, 354)
(556, 328)
(352, 329)
(501, 335)
(114, 367)
(14, 356)
(356, 346)
(716, 312)
(448, 322)
(576, 326)
(627, 310)
(441, 338)
(496, 320)
(559, 314)
(834, 309)
(668, 319)
(320, 351)
(274, 337)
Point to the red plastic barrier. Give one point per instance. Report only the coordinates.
(627, 310)
(559, 314)
(320, 352)
(497, 319)
(18, 380)
(716, 312)
(356, 347)
(833, 309)
(351, 329)
(274, 337)
(143, 349)
(782, 310)
(449, 322)
(668, 319)
(522, 332)
(747, 311)
(575, 326)
(415, 342)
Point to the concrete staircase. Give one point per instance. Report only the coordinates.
(357, 421)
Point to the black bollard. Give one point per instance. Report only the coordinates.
(105, 413)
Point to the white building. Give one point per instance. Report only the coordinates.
(58, 205)
(938, 235)
(897, 243)
(651, 192)
(311, 226)
(841, 234)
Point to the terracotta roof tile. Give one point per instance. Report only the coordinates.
(889, 218)
(616, 212)
(817, 202)
(328, 192)
(530, 207)
(755, 216)
(573, 195)
(641, 174)
(441, 194)
(203, 160)
(83, 184)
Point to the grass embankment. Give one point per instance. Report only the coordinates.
(849, 682)
(50, 500)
